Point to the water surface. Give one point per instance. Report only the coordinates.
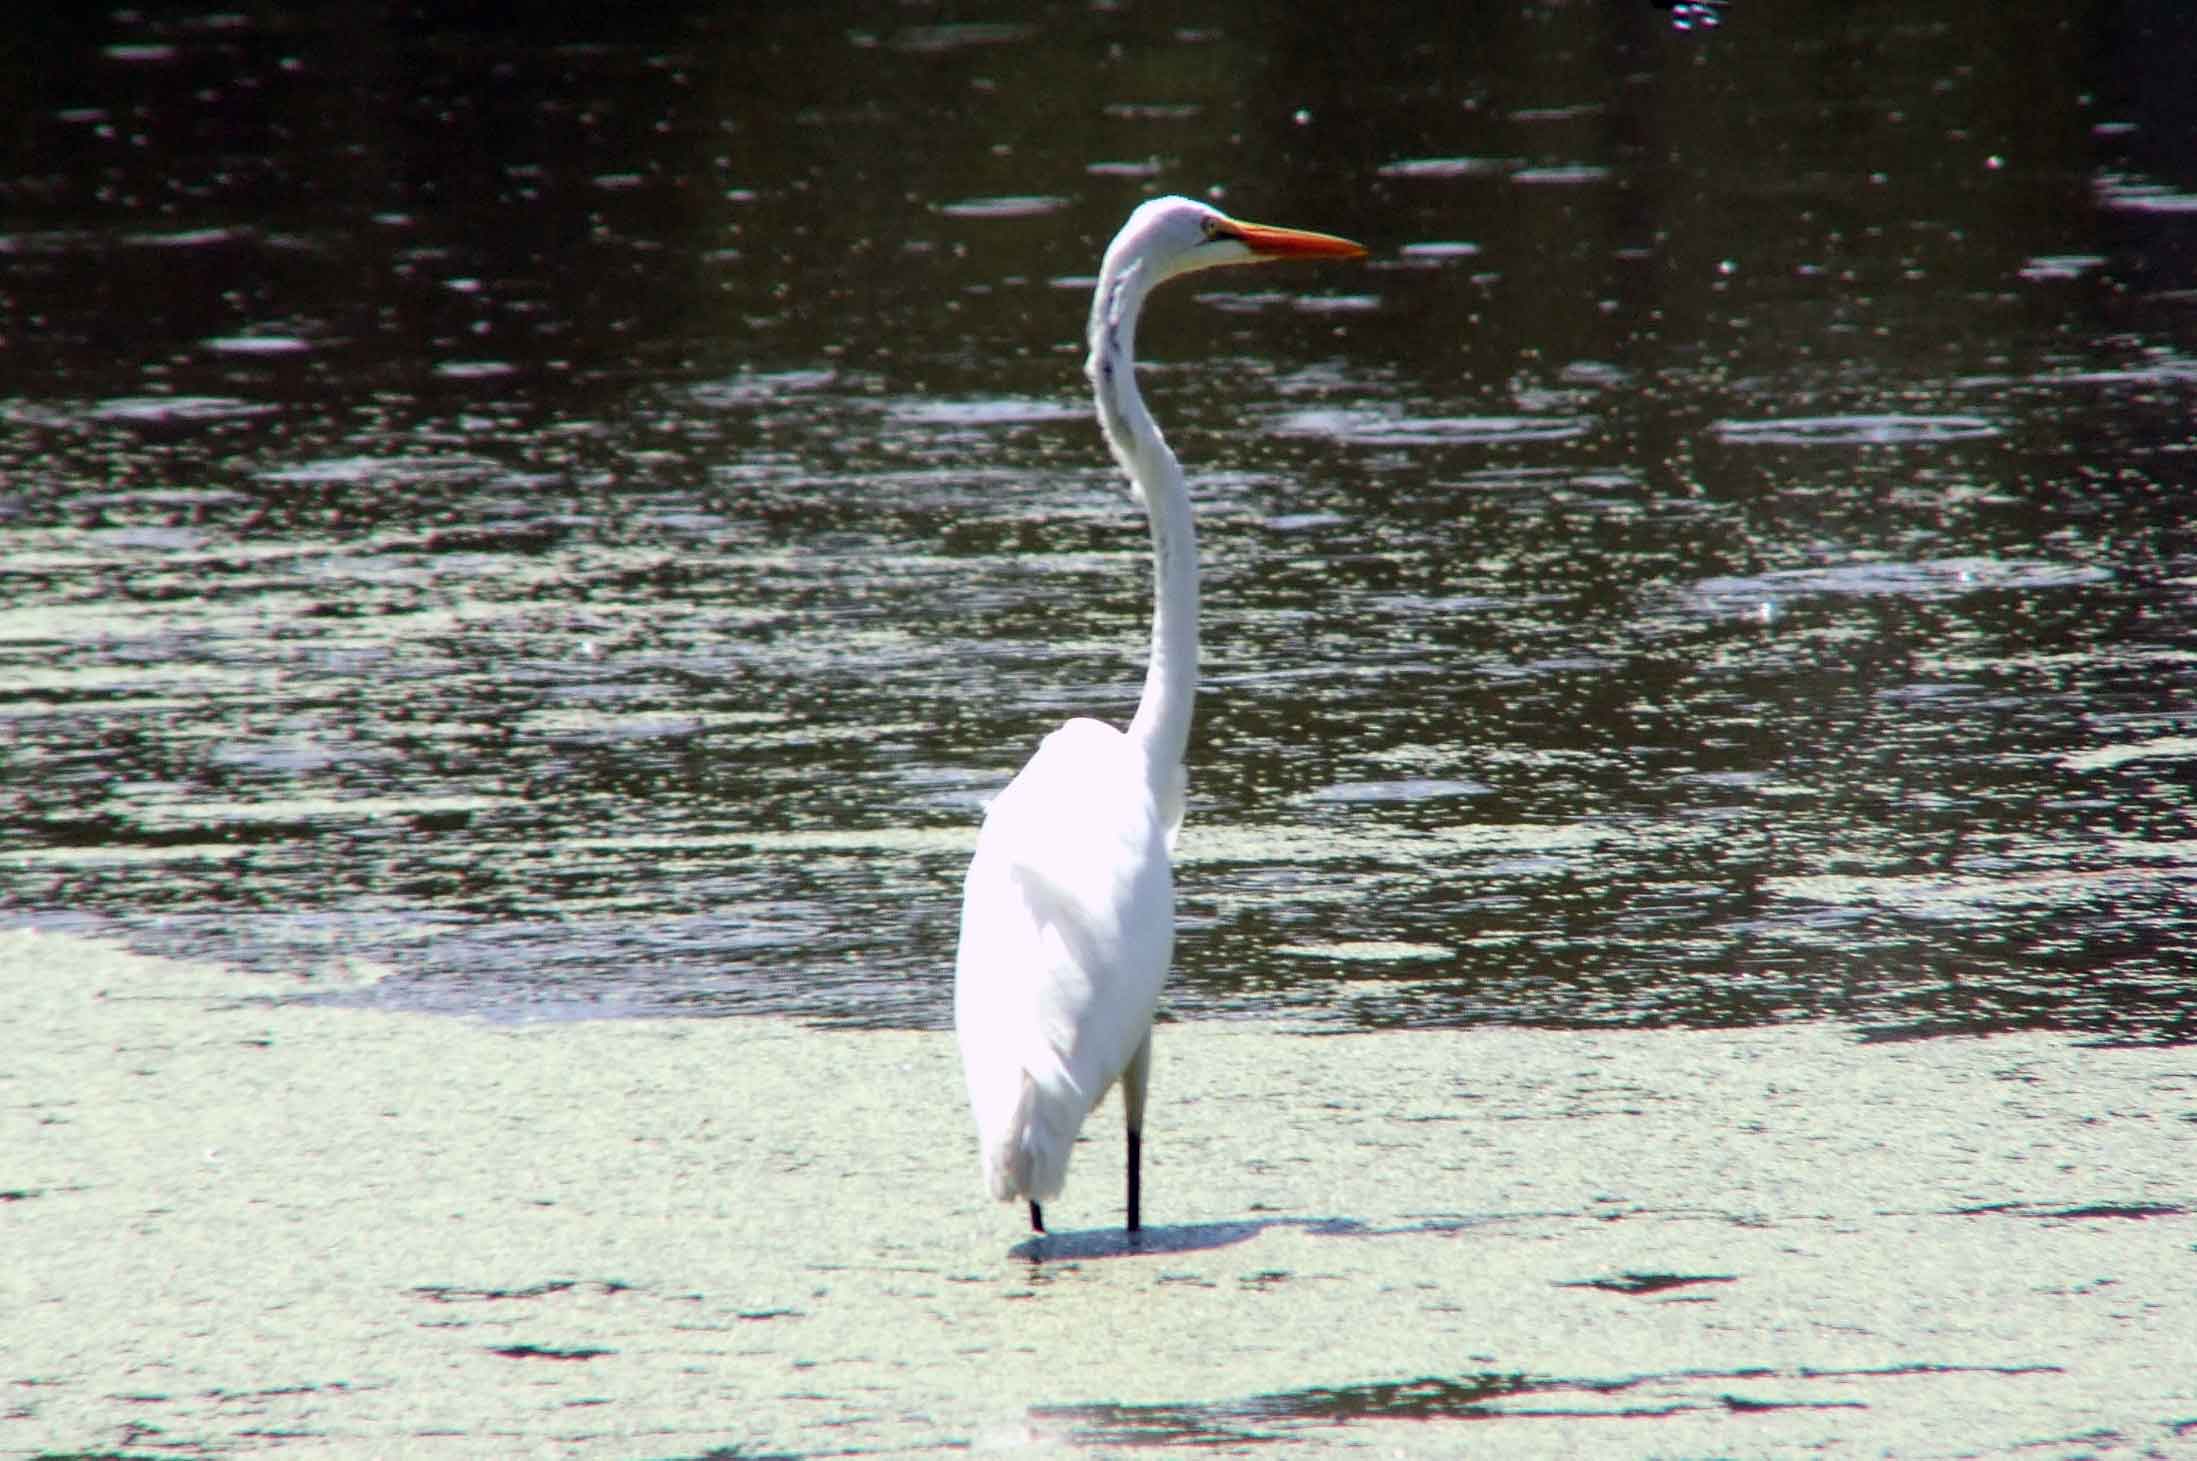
(577, 522)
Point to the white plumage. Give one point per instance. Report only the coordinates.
(1068, 914)
(1067, 929)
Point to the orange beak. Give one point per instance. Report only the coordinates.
(1269, 242)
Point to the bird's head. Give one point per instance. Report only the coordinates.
(1170, 236)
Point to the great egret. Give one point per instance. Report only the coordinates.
(1068, 915)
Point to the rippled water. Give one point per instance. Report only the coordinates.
(578, 523)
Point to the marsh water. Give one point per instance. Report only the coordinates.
(559, 522)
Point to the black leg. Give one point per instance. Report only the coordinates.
(1134, 1078)
(1037, 1219)
(1136, 1178)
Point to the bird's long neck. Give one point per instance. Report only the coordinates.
(1162, 723)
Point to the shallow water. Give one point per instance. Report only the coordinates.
(580, 522)
(274, 1227)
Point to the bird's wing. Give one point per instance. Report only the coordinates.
(1068, 918)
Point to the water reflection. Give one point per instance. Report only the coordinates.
(574, 523)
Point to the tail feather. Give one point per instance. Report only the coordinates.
(1028, 1157)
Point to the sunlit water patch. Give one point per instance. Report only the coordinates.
(400, 470)
(753, 387)
(1979, 897)
(1861, 430)
(998, 411)
(148, 411)
(1010, 206)
(1440, 169)
(1380, 428)
(2107, 758)
(1562, 175)
(2134, 194)
(1938, 578)
(957, 36)
(1145, 168)
(2055, 267)
(1409, 789)
(1438, 251)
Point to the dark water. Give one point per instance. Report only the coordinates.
(578, 522)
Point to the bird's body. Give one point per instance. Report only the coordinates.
(1068, 913)
(1067, 930)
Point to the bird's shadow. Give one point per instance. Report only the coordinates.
(1181, 1238)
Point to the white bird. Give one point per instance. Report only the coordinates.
(1068, 915)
